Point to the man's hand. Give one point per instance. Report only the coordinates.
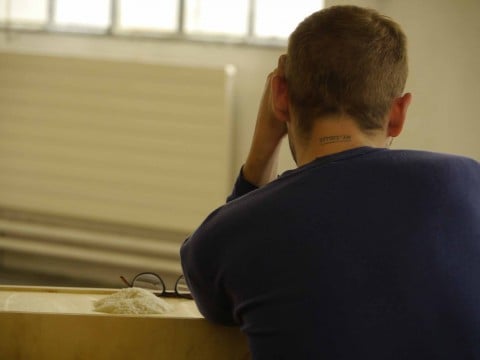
(261, 165)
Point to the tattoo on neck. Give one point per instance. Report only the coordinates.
(334, 139)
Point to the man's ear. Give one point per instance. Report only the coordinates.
(398, 114)
(280, 101)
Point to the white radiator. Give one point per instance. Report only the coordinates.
(108, 164)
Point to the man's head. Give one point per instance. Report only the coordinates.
(346, 60)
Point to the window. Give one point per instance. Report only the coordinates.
(249, 21)
(24, 12)
(272, 20)
(216, 17)
(85, 13)
(147, 15)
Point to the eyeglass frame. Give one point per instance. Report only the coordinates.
(165, 292)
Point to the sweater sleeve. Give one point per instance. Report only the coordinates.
(200, 265)
(241, 187)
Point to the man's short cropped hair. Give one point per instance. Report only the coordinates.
(346, 60)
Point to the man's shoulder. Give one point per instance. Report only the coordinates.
(430, 171)
(424, 157)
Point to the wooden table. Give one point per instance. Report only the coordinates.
(60, 323)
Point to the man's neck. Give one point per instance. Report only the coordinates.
(330, 136)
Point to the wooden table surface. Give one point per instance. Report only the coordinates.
(60, 323)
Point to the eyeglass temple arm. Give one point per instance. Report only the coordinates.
(125, 281)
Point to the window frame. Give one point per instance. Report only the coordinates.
(179, 34)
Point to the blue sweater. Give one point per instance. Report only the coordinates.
(365, 254)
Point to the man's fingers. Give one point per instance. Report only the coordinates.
(280, 71)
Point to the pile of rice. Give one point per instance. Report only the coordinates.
(132, 301)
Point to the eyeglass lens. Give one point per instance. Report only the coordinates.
(149, 281)
(181, 287)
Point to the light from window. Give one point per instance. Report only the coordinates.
(268, 20)
(274, 19)
(218, 17)
(81, 13)
(148, 15)
(24, 12)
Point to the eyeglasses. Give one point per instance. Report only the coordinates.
(152, 281)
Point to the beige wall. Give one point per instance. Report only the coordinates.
(444, 76)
